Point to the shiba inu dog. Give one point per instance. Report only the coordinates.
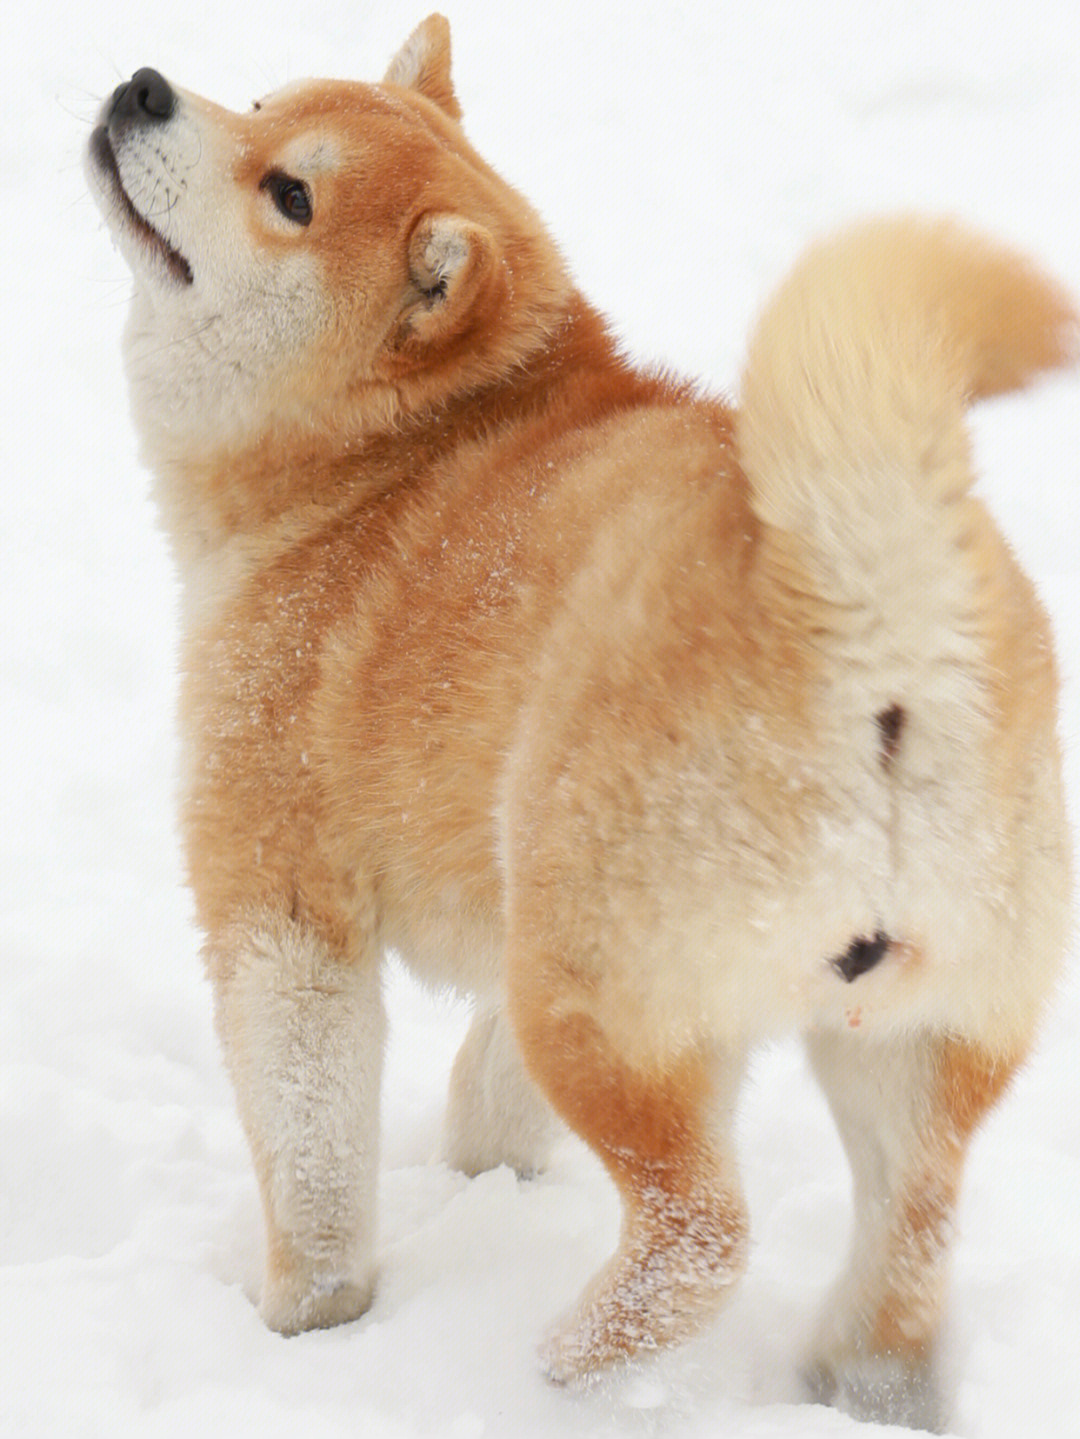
(655, 724)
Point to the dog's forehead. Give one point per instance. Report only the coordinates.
(314, 152)
(341, 102)
(317, 124)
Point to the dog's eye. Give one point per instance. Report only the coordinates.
(292, 197)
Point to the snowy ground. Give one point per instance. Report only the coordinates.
(683, 154)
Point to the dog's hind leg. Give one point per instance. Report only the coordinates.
(906, 1109)
(664, 1140)
(495, 1113)
(303, 1033)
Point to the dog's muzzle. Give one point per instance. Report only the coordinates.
(144, 101)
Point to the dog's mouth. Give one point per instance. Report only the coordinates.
(175, 263)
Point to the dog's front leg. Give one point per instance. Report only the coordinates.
(303, 1032)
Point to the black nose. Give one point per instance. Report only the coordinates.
(147, 96)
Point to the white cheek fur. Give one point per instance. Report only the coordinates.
(202, 358)
(201, 363)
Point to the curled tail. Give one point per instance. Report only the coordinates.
(863, 363)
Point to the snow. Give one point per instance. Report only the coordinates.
(683, 155)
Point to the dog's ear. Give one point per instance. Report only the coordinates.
(423, 64)
(455, 275)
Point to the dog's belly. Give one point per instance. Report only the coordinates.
(448, 941)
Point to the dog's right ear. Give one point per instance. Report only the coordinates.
(423, 64)
(456, 280)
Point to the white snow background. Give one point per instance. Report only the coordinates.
(683, 154)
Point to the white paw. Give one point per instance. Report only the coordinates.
(290, 1307)
(571, 1356)
(880, 1389)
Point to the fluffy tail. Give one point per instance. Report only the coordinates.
(862, 365)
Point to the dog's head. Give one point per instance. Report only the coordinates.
(336, 256)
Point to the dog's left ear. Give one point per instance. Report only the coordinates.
(423, 64)
(456, 277)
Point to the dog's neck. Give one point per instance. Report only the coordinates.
(295, 476)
